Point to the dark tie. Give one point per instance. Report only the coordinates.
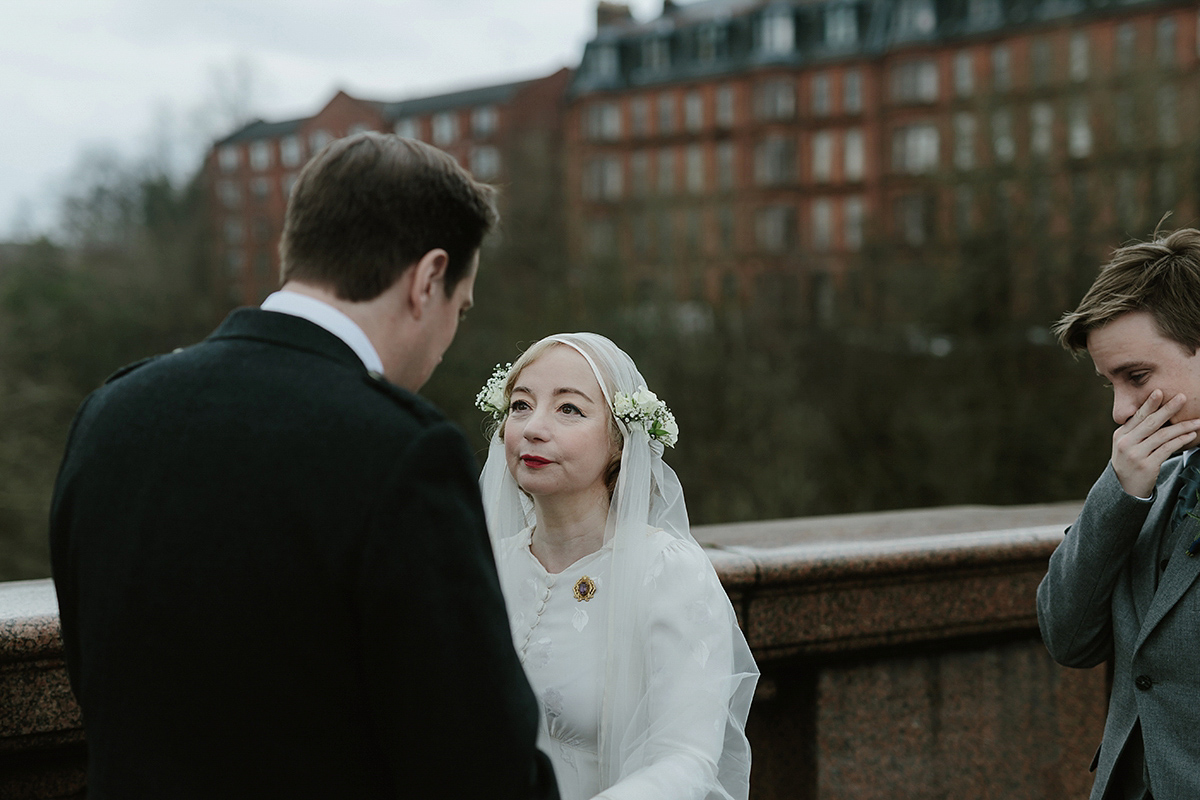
(1185, 501)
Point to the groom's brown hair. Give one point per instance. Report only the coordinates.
(1161, 276)
(369, 206)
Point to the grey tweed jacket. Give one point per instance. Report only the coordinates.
(1100, 601)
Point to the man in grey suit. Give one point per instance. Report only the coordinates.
(1122, 585)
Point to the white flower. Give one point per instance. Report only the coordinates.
(491, 397)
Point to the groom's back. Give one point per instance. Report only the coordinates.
(209, 543)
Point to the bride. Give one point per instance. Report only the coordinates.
(631, 645)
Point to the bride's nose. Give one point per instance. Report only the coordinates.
(535, 426)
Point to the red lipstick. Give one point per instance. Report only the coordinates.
(535, 462)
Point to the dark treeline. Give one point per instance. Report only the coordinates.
(934, 382)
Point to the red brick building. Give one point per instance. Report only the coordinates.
(250, 173)
(736, 148)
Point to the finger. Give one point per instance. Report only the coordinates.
(1167, 433)
(1173, 446)
(1159, 417)
(1148, 406)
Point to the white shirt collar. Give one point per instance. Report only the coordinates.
(321, 313)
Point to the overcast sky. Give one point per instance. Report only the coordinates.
(134, 76)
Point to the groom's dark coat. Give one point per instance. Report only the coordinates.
(275, 581)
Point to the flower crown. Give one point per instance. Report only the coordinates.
(641, 409)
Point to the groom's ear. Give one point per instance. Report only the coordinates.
(428, 278)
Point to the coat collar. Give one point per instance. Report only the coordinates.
(1182, 569)
(288, 331)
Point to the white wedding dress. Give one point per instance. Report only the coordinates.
(561, 638)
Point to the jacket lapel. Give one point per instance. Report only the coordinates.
(1144, 558)
(1180, 575)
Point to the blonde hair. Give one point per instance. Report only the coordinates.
(1161, 277)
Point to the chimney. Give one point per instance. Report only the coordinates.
(611, 14)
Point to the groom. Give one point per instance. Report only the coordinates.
(270, 554)
(1123, 585)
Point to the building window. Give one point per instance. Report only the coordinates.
(666, 171)
(774, 228)
(841, 26)
(694, 161)
(1001, 69)
(913, 218)
(235, 262)
(1168, 127)
(822, 156)
(229, 157)
(484, 121)
(656, 54)
(725, 229)
(639, 168)
(230, 194)
(407, 127)
(725, 166)
(445, 128)
(639, 230)
(964, 209)
(708, 41)
(777, 31)
(822, 101)
(915, 82)
(853, 155)
(1126, 48)
(666, 114)
(1123, 108)
(291, 151)
(1041, 56)
(1041, 129)
(234, 231)
(603, 61)
(603, 122)
(260, 155)
(983, 13)
(1004, 147)
(915, 149)
(260, 188)
(964, 140)
(1164, 36)
(602, 239)
(318, 139)
(693, 111)
(725, 116)
(691, 232)
(822, 223)
(777, 99)
(852, 92)
(916, 18)
(639, 116)
(852, 223)
(485, 162)
(666, 236)
(1079, 56)
(774, 161)
(964, 73)
(602, 178)
(1079, 129)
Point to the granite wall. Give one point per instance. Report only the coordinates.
(899, 652)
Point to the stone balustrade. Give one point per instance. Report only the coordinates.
(899, 651)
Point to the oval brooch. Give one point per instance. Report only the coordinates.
(585, 589)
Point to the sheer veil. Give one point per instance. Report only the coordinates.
(651, 692)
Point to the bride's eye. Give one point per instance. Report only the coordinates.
(518, 405)
(570, 408)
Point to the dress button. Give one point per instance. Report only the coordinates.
(1143, 682)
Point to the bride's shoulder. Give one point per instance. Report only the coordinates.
(673, 555)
